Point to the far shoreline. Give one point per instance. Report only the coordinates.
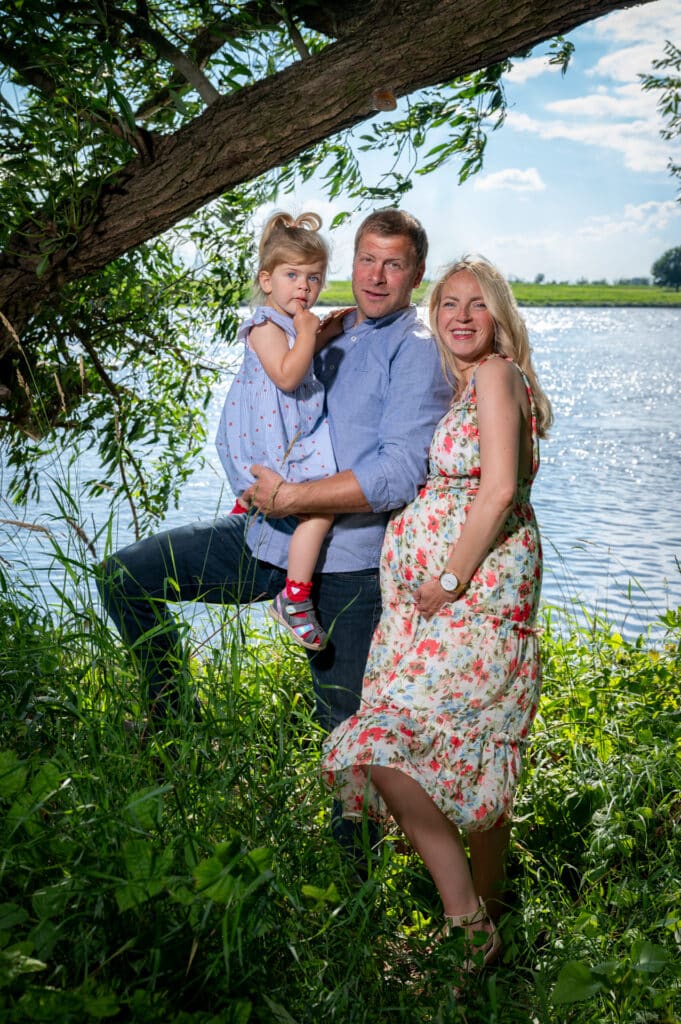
(339, 293)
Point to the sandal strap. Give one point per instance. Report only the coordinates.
(491, 947)
(478, 916)
(303, 624)
(296, 607)
(300, 620)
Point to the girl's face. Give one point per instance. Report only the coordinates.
(292, 286)
(464, 323)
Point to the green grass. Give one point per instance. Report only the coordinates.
(189, 876)
(339, 293)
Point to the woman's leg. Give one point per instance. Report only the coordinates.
(434, 837)
(488, 852)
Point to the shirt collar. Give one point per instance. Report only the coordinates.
(350, 320)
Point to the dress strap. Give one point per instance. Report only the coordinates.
(470, 389)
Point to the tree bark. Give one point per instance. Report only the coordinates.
(402, 46)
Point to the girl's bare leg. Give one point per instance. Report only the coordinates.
(305, 545)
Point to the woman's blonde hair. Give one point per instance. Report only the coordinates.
(287, 239)
(510, 331)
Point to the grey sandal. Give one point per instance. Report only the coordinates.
(299, 618)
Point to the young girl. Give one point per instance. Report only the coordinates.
(274, 410)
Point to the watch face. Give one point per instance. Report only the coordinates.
(449, 582)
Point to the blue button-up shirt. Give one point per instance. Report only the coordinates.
(385, 393)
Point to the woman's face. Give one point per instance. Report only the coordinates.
(463, 321)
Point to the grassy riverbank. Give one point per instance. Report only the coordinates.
(188, 877)
(339, 293)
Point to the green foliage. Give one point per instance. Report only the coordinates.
(666, 270)
(459, 114)
(114, 360)
(186, 875)
(666, 80)
(121, 363)
(602, 807)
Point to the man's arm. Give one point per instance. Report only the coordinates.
(388, 472)
(331, 495)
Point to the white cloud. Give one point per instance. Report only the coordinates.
(626, 101)
(601, 247)
(643, 219)
(637, 141)
(625, 65)
(615, 114)
(532, 67)
(512, 178)
(650, 22)
(654, 215)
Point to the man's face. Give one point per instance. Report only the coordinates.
(384, 274)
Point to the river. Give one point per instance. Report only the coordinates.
(608, 494)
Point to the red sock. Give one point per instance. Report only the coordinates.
(238, 508)
(297, 591)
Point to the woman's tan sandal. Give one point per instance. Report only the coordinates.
(480, 951)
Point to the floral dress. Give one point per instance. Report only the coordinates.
(449, 700)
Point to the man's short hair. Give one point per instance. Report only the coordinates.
(390, 221)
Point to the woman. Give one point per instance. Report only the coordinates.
(453, 677)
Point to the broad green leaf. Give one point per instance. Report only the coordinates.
(145, 808)
(14, 963)
(11, 915)
(101, 1005)
(51, 902)
(214, 880)
(321, 896)
(575, 983)
(12, 773)
(648, 958)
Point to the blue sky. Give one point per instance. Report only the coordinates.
(575, 184)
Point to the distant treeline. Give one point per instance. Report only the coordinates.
(339, 293)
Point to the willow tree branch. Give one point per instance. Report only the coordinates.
(168, 51)
(244, 134)
(330, 19)
(21, 61)
(293, 30)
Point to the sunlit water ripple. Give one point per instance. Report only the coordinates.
(607, 495)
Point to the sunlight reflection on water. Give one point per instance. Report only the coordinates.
(607, 495)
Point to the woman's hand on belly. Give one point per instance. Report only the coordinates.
(430, 597)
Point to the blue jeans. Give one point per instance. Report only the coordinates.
(210, 562)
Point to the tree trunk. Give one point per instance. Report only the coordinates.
(402, 46)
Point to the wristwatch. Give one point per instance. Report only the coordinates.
(449, 582)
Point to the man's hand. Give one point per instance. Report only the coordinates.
(267, 493)
(332, 326)
(430, 597)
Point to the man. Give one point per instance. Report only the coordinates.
(385, 394)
